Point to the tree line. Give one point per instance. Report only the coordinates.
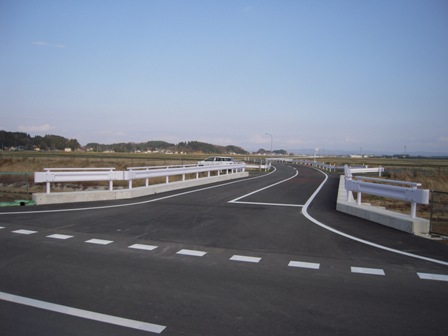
(23, 141)
(163, 146)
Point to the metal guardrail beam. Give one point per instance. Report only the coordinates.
(54, 175)
(408, 194)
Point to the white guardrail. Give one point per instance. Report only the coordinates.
(408, 194)
(57, 175)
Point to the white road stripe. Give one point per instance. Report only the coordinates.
(59, 236)
(150, 327)
(364, 270)
(2, 227)
(193, 253)
(99, 241)
(236, 200)
(245, 259)
(25, 232)
(429, 276)
(143, 247)
(302, 264)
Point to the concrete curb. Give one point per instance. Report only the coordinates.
(402, 222)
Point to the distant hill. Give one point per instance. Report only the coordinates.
(23, 141)
(163, 146)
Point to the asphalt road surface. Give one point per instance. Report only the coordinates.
(264, 255)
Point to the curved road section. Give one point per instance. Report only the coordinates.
(265, 255)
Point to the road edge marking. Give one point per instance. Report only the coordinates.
(120, 321)
(366, 242)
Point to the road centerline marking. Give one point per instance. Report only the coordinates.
(120, 321)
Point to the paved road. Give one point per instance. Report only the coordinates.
(249, 257)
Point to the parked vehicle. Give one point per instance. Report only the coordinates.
(216, 160)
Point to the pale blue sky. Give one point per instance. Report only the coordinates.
(329, 74)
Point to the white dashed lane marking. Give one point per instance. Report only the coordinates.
(196, 253)
(143, 247)
(364, 270)
(99, 241)
(193, 253)
(437, 277)
(245, 259)
(302, 264)
(24, 232)
(59, 236)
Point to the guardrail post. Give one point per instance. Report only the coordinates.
(358, 198)
(48, 187)
(413, 210)
(413, 207)
(111, 183)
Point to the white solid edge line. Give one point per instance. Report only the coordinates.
(120, 321)
(365, 270)
(264, 188)
(366, 242)
(429, 276)
(135, 203)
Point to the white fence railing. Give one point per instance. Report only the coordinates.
(58, 175)
(411, 193)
